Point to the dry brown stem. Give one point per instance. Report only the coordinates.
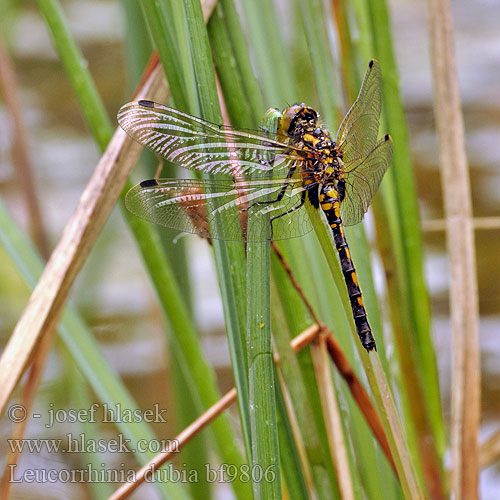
(460, 236)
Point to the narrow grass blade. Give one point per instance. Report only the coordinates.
(20, 151)
(232, 75)
(75, 66)
(270, 55)
(261, 372)
(321, 57)
(168, 48)
(138, 46)
(261, 380)
(226, 14)
(322, 470)
(231, 279)
(242, 97)
(82, 398)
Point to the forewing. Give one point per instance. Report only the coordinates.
(363, 178)
(196, 144)
(182, 204)
(358, 131)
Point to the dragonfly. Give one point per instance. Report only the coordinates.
(270, 176)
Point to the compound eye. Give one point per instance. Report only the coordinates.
(288, 119)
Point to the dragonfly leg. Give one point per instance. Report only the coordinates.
(281, 193)
(289, 211)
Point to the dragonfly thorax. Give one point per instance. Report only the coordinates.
(300, 123)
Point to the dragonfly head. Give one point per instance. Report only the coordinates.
(297, 119)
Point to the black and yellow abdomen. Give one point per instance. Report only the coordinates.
(330, 204)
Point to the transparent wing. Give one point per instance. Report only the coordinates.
(182, 204)
(358, 131)
(196, 144)
(363, 178)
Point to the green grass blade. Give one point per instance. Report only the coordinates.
(265, 450)
(138, 46)
(243, 64)
(196, 370)
(270, 55)
(294, 464)
(242, 99)
(321, 57)
(379, 387)
(168, 49)
(314, 441)
(76, 69)
(320, 54)
(232, 75)
(262, 397)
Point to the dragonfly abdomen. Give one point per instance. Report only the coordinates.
(330, 204)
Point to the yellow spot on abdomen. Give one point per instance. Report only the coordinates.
(336, 209)
(348, 253)
(326, 206)
(354, 278)
(360, 300)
